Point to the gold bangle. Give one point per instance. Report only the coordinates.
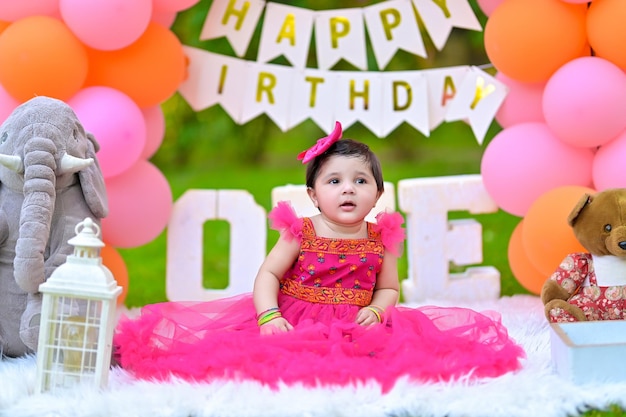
(375, 311)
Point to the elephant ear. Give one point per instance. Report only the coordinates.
(92, 182)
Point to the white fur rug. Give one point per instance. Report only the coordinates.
(536, 390)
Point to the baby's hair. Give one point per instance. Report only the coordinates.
(349, 148)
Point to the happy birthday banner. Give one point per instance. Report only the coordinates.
(379, 100)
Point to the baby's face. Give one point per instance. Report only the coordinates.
(345, 189)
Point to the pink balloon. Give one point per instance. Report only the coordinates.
(7, 104)
(165, 19)
(106, 24)
(526, 160)
(140, 205)
(116, 122)
(155, 130)
(12, 10)
(608, 164)
(488, 6)
(523, 102)
(584, 102)
(173, 5)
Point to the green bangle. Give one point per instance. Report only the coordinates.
(262, 313)
(269, 316)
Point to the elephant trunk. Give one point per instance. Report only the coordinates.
(36, 213)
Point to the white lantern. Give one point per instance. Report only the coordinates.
(77, 317)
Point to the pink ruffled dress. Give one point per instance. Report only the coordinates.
(320, 296)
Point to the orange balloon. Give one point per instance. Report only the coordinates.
(523, 270)
(149, 70)
(112, 259)
(546, 236)
(605, 30)
(39, 55)
(3, 25)
(528, 40)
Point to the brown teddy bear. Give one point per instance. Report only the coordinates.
(592, 286)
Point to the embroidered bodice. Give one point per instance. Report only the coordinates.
(335, 271)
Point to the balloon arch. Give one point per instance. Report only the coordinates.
(564, 119)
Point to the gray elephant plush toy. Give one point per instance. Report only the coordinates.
(50, 180)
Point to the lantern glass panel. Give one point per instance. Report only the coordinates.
(71, 348)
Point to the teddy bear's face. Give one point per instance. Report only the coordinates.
(600, 223)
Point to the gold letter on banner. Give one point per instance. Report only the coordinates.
(409, 95)
(288, 30)
(365, 94)
(314, 81)
(449, 90)
(240, 14)
(267, 81)
(444, 7)
(389, 24)
(481, 91)
(335, 34)
(223, 73)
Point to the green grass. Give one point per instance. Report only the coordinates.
(611, 411)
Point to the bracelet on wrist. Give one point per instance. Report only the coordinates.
(264, 312)
(374, 310)
(268, 316)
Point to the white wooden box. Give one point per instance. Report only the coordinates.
(589, 351)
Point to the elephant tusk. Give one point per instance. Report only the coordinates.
(13, 162)
(72, 164)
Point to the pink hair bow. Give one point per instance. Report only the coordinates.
(321, 145)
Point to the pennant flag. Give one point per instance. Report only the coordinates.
(440, 17)
(359, 97)
(392, 25)
(477, 101)
(313, 96)
(286, 31)
(267, 91)
(340, 34)
(235, 19)
(405, 99)
(214, 79)
(442, 88)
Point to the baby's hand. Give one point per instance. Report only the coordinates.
(366, 317)
(278, 325)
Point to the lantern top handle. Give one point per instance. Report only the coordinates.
(87, 235)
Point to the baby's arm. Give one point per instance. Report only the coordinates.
(385, 292)
(267, 282)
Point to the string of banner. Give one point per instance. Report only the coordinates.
(380, 100)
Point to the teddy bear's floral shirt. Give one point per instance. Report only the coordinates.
(577, 275)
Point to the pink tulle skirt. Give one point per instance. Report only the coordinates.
(220, 339)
